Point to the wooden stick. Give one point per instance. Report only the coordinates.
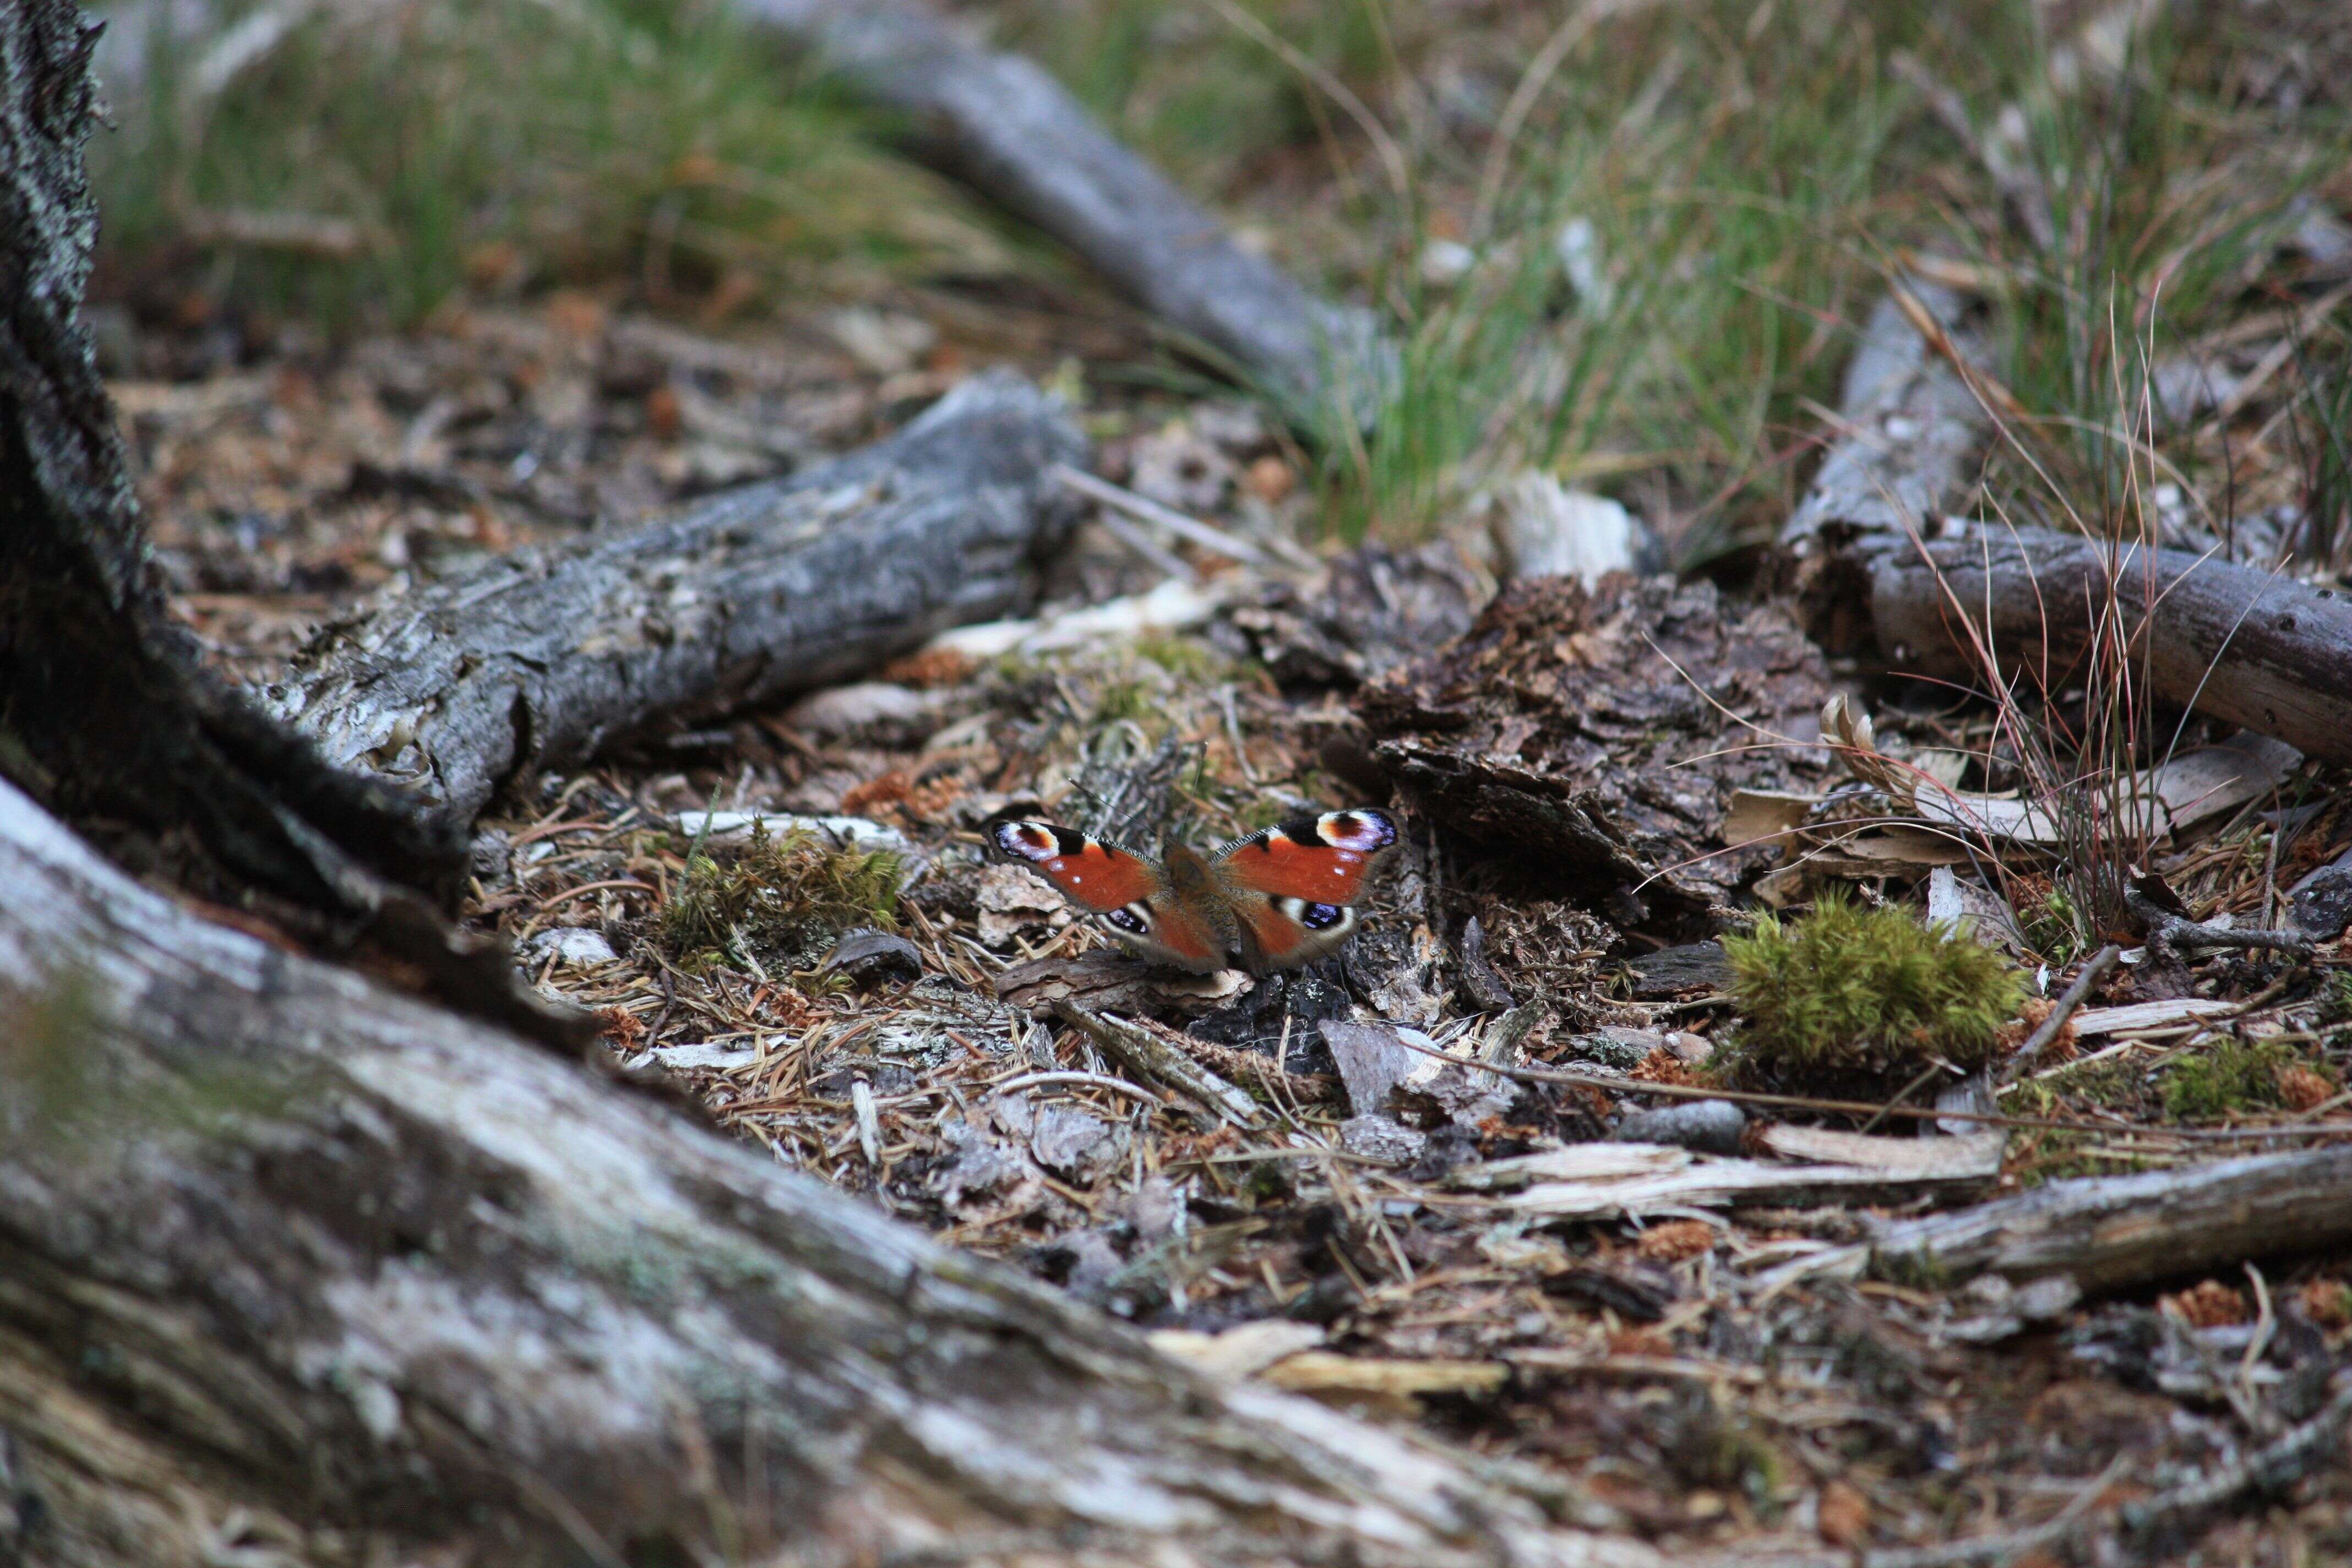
(1622, 1085)
(1139, 1052)
(2076, 996)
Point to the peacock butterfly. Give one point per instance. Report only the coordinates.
(1279, 897)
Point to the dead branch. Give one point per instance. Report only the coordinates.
(537, 659)
(1878, 565)
(2050, 1029)
(2112, 1232)
(2265, 651)
(1012, 131)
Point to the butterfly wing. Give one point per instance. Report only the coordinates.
(1295, 884)
(1129, 892)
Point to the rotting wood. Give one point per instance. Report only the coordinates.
(282, 1246)
(1002, 123)
(537, 659)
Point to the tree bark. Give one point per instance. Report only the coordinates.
(1002, 123)
(536, 660)
(286, 1258)
(108, 713)
(106, 709)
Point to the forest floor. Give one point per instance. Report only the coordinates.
(1674, 1332)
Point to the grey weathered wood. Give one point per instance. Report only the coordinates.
(537, 659)
(2111, 1233)
(1012, 131)
(2267, 652)
(1908, 430)
(281, 1246)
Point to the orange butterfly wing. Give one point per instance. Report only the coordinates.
(1129, 892)
(1297, 883)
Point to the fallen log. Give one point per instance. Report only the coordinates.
(293, 1264)
(2115, 1233)
(2267, 652)
(2111, 1233)
(1002, 123)
(539, 658)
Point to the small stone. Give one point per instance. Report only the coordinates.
(578, 946)
(2322, 901)
(1707, 1126)
(871, 957)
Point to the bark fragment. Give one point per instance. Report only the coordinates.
(1601, 734)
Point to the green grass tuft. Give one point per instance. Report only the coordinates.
(1847, 993)
(785, 898)
(512, 145)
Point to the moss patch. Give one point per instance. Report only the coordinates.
(2237, 1076)
(784, 897)
(1846, 995)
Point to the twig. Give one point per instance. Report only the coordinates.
(1170, 563)
(1617, 1084)
(2048, 1029)
(2171, 932)
(1143, 510)
(2009, 1542)
(1090, 1079)
(1138, 1050)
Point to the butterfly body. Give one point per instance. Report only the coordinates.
(1276, 898)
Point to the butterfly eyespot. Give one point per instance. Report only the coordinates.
(1362, 831)
(1127, 920)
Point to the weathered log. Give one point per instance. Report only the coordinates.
(1908, 428)
(1002, 123)
(537, 659)
(2267, 652)
(288, 1260)
(2112, 1232)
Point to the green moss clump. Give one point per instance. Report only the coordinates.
(2234, 1076)
(785, 897)
(1847, 997)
